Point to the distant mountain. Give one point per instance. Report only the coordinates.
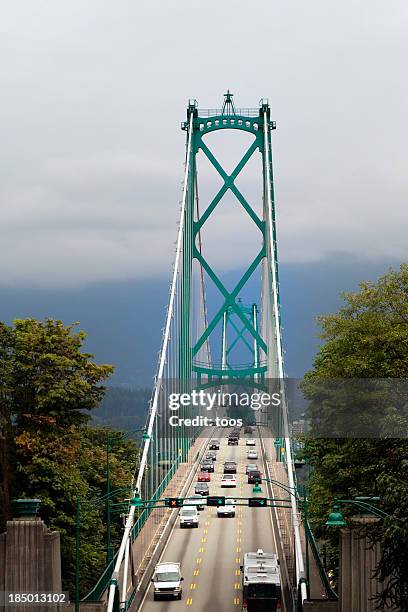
(124, 319)
(122, 408)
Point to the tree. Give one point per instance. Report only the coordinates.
(366, 339)
(51, 376)
(6, 344)
(47, 384)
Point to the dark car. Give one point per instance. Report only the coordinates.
(214, 445)
(233, 440)
(254, 476)
(251, 466)
(207, 466)
(211, 456)
(248, 429)
(230, 467)
(233, 432)
(202, 488)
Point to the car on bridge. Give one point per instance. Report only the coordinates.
(252, 454)
(230, 467)
(228, 509)
(233, 440)
(228, 480)
(233, 433)
(202, 488)
(251, 466)
(214, 445)
(254, 476)
(211, 456)
(203, 477)
(207, 466)
(250, 442)
(167, 581)
(188, 517)
(195, 500)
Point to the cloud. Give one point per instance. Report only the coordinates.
(92, 156)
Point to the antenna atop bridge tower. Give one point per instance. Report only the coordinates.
(228, 108)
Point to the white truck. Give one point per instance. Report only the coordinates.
(188, 516)
(261, 584)
(167, 580)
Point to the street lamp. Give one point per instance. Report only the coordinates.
(336, 519)
(286, 488)
(257, 487)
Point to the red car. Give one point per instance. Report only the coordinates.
(204, 477)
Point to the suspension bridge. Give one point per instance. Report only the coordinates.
(217, 337)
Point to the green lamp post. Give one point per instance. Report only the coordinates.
(336, 518)
(257, 487)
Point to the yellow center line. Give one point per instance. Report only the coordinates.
(189, 601)
(196, 572)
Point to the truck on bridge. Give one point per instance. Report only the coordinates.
(261, 587)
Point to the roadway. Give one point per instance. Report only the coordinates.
(211, 555)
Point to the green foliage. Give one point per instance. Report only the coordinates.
(366, 339)
(47, 448)
(50, 374)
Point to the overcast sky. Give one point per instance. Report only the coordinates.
(93, 93)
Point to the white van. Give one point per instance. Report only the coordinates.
(188, 516)
(167, 581)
